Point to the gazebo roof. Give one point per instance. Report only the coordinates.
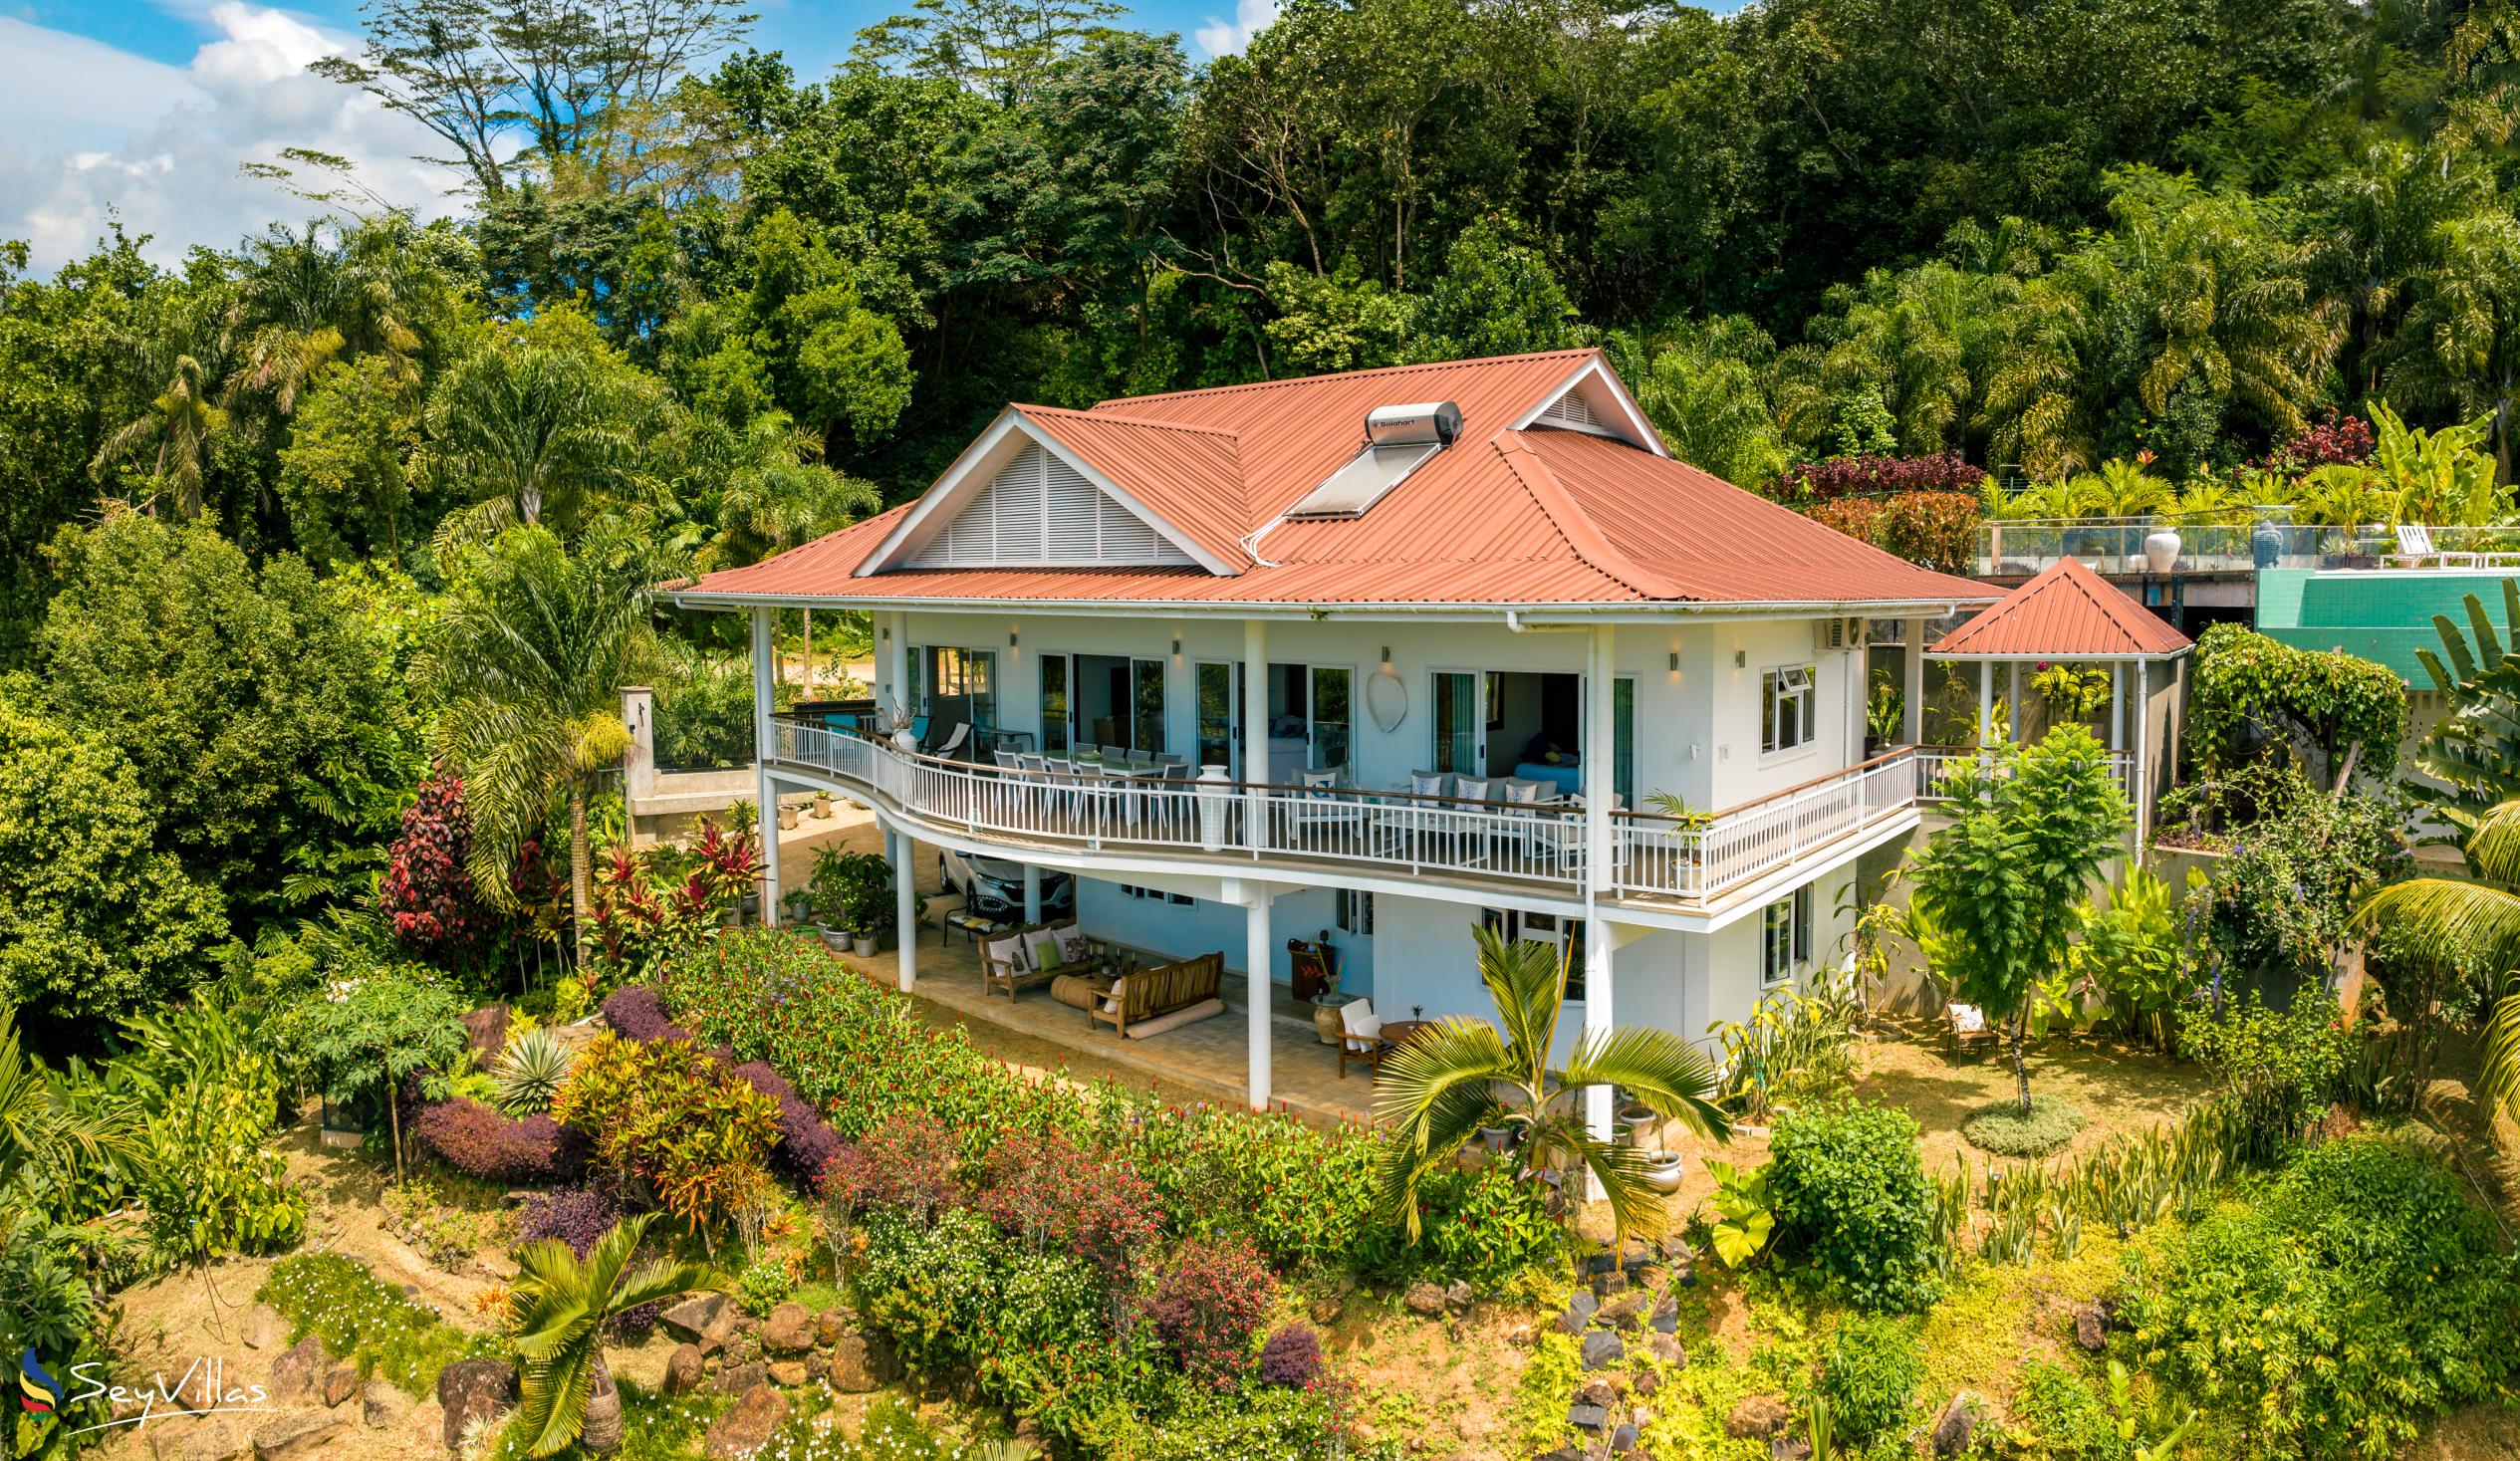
(2065, 612)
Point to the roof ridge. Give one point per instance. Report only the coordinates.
(1128, 421)
(2114, 603)
(1589, 545)
(1574, 353)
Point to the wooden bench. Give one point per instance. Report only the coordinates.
(1018, 974)
(1149, 993)
(1967, 1028)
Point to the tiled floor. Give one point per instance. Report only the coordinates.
(1206, 1060)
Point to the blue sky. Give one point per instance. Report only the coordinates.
(142, 111)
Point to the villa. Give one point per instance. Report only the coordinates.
(1390, 655)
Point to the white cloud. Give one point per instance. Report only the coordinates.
(1227, 38)
(85, 128)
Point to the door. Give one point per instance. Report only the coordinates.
(1331, 715)
(1219, 691)
(1057, 705)
(1146, 702)
(1460, 722)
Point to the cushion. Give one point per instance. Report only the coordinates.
(1046, 955)
(1012, 953)
(1357, 1018)
(1188, 1015)
(1967, 1018)
(1074, 946)
(1429, 782)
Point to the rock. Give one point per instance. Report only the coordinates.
(1653, 1275)
(746, 1427)
(216, 1440)
(341, 1383)
(789, 1332)
(861, 1363)
(829, 1326)
(1587, 1417)
(1621, 1313)
(684, 1370)
(1666, 1316)
(1667, 1349)
(817, 1366)
(1425, 1299)
(264, 1328)
(381, 1405)
(739, 1379)
(1623, 1439)
(1757, 1415)
(166, 1434)
(1326, 1310)
(1579, 1312)
(471, 1390)
(1597, 1393)
(1599, 1262)
(2091, 1328)
(1470, 1428)
(787, 1374)
(1635, 1254)
(1647, 1383)
(703, 1318)
(1956, 1427)
(294, 1434)
(487, 1027)
(1602, 1349)
(297, 1376)
(1460, 1295)
(1788, 1448)
(1613, 1282)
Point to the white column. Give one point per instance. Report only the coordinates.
(1601, 767)
(1255, 729)
(2013, 701)
(895, 661)
(2142, 778)
(1257, 954)
(1912, 728)
(766, 791)
(906, 907)
(1032, 893)
(2117, 705)
(1985, 701)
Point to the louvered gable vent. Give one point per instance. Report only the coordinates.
(1571, 411)
(1039, 510)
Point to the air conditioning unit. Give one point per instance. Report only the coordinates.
(1836, 634)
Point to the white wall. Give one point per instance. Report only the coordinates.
(1696, 728)
(1204, 927)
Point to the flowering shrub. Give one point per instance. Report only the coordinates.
(668, 1116)
(1048, 1193)
(1934, 530)
(908, 1167)
(1292, 1357)
(1305, 1199)
(338, 1301)
(1879, 476)
(1209, 1303)
(479, 1142)
(426, 890)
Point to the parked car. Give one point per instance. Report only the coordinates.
(994, 888)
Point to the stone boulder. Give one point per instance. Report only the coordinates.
(704, 1320)
(264, 1328)
(684, 1370)
(1580, 1309)
(2091, 1328)
(1602, 1350)
(297, 1376)
(216, 1440)
(735, 1379)
(1956, 1427)
(299, 1433)
(860, 1362)
(471, 1390)
(829, 1326)
(1587, 1417)
(1459, 1294)
(381, 1405)
(1788, 1448)
(1757, 1417)
(487, 1029)
(341, 1383)
(1667, 1348)
(789, 1332)
(1425, 1299)
(746, 1426)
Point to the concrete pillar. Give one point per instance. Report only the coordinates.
(905, 905)
(1032, 893)
(768, 815)
(2142, 777)
(894, 660)
(1600, 781)
(2013, 703)
(1255, 730)
(1911, 729)
(1256, 955)
(766, 793)
(1985, 701)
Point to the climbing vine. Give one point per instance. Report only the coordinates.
(2251, 689)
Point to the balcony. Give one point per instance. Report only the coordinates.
(2115, 546)
(1363, 835)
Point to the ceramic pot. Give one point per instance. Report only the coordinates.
(2160, 550)
(1662, 1171)
(1325, 1015)
(835, 939)
(905, 740)
(787, 819)
(863, 946)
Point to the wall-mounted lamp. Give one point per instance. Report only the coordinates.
(1176, 646)
(1013, 636)
(1740, 657)
(1386, 656)
(888, 633)
(1675, 661)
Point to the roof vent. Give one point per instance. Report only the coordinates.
(1398, 440)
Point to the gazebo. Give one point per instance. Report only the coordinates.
(2070, 614)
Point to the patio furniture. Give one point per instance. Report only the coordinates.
(1965, 1028)
(941, 909)
(1016, 961)
(1081, 991)
(1322, 809)
(1360, 1036)
(1567, 776)
(953, 742)
(1146, 994)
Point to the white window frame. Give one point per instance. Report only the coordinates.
(1772, 699)
(1785, 937)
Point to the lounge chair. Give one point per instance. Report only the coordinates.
(1360, 1036)
(1967, 1028)
(1147, 994)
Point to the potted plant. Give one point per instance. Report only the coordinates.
(827, 893)
(859, 886)
(1662, 1171)
(787, 819)
(822, 805)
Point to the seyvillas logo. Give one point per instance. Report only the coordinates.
(38, 1392)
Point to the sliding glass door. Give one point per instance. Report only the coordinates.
(1057, 674)
(1218, 687)
(1333, 715)
(1146, 696)
(1460, 723)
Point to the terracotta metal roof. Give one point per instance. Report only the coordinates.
(1502, 517)
(2065, 612)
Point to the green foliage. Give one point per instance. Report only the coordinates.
(2356, 1296)
(207, 1174)
(853, 890)
(2057, 1416)
(1496, 297)
(2279, 1068)
(2284, 897)
(1745, 1217)
(1868, 1375)
(1853, 1209)
(94, 920)
(2474, 749)
(563, 1303)
(2132, 953)
(666, 1115)
(529, 1072)
(2252, 690)
(372, 1028)
(2003, 1129)
(335, 1299)
(1797, 1047)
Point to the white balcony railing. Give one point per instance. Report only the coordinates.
(1651, 856)
(1933, 762)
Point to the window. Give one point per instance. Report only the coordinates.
(1356, 912)
(1218, 690)
(1785, 709)
(1785, 936)
(965, 675)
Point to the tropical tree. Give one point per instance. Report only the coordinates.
(1701, 391)
(561, 1304)
(2006, 878)
(174, 434)
(544, 421)
(2477, 915)
(2473, 750)
(1440, 1086)
(527, 663)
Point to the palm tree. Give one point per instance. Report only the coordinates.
(1437, 1090)
(2479, 914)
(562, 1303)
(536, 424)
(527, 664)
(179, 423)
